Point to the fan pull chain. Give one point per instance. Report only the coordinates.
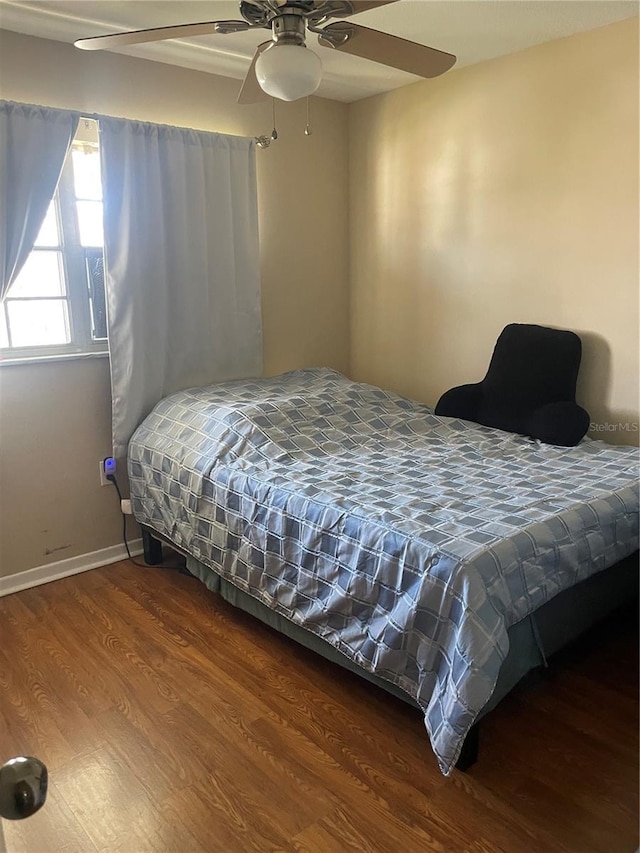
(307, 129)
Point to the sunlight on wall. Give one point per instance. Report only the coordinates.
(503, 192)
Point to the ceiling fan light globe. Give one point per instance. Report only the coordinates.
(288, 71)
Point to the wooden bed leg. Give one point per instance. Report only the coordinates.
(152, 548)
(469, 752)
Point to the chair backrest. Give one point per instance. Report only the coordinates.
(531, 366)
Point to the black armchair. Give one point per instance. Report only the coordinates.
(530, 387)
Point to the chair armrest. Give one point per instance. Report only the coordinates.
(460, 402)
(564, 424)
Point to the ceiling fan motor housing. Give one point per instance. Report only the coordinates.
(288, 29)
(261, 13)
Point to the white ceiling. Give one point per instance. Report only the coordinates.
(473, 30)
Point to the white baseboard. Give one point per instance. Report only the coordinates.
(64, 568)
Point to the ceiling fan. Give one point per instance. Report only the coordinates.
(284, 67)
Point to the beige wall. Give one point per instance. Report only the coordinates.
(503, 192)
(58, 414)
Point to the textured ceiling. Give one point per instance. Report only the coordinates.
(474, 30)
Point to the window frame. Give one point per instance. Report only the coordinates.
(77, 291)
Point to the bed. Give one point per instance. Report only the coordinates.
(437, 557)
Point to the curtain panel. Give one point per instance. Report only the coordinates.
(182, 263)
(34, 142)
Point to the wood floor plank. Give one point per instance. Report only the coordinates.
(53, 828)
(489, 821)
(171, 722)
(366, 804)
(113, 808)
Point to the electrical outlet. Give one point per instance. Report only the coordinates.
(106, 466)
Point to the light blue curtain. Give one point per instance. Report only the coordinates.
(182, 263)
(34, 142)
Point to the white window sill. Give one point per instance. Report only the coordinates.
(46, 359)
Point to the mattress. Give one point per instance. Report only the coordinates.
(409, 542)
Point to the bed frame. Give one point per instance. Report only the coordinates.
(532, 641)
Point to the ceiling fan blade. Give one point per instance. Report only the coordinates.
(387, 49)
(251, 93)
(161, 33)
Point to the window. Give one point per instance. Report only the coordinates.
(56, 306)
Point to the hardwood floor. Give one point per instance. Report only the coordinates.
(171, 722)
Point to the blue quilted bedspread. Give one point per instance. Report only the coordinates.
(408, 541)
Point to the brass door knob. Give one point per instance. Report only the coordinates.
(23, 787)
